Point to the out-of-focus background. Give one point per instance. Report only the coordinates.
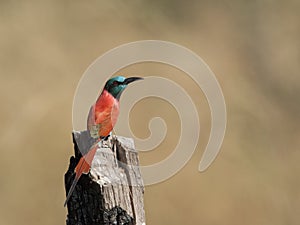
(252, 46)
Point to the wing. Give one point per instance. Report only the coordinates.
(93, 123)
(99, 121)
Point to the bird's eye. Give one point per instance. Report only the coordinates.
(115, 83)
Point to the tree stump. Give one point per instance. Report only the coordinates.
(112, 193)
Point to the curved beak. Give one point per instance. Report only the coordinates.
(132, 79)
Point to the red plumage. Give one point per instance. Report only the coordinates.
(103, 115)
(102, 118)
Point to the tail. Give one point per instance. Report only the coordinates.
(76, 179)
(83, 166)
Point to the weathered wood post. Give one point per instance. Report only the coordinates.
(112, 193)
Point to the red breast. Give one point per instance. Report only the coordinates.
(103, 114)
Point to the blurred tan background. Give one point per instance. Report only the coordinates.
(252, 46)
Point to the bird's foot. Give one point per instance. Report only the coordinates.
(105, 138)
(105, 143)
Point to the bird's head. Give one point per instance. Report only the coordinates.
(116, 85)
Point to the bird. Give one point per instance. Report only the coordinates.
(101, 120)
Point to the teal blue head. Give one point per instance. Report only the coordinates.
(116, 85)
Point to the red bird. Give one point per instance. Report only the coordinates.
(102, 118)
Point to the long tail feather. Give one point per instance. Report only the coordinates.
(83, 166)
(76, 179)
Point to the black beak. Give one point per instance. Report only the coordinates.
(131, 79)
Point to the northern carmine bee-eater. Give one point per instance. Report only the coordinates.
(102, 118)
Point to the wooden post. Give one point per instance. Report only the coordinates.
(112, 193)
